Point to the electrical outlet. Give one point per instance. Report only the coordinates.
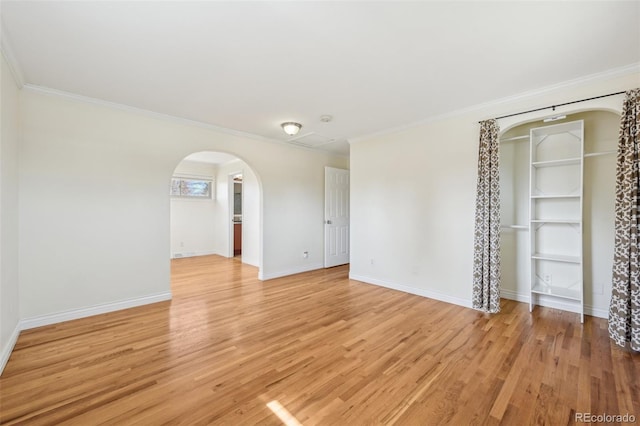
(181, 243)
(372, 262)
(546, 278)
(305, 254)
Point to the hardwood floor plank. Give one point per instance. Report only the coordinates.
(323, 349)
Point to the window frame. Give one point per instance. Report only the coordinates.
(179, 181)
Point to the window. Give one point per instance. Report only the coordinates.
(190, 188)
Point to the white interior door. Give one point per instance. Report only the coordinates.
(336, 217)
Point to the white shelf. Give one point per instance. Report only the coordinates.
(556, 146)
(514, 227)
(560, 221)
(515, 138)
(560, 162)
(563, 292)
(557, 258)
(555, 196)
(598, 154)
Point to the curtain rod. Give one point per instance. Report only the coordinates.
(553, 107)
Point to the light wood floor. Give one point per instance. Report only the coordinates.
(325, 349)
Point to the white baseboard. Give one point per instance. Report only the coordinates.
(507, 294)
(298, 270)
(193, 254)
(8, 348)
(596, 312)
(554, 303)
(513, 295)
(413, 290)
(72, 314)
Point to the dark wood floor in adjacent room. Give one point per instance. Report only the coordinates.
(314, 348)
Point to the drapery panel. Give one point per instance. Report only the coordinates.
(624, 309)
(486, 256)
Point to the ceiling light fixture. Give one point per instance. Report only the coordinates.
(291, 128)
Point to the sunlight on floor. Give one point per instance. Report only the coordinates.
(283, 414)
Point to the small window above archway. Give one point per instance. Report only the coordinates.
(191, 188)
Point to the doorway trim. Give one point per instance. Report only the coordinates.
(336, 216)
(257, 203)
(230, 212)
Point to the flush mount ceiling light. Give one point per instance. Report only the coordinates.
(291, 128)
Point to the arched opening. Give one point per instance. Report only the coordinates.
(215, 209)
(598, 188)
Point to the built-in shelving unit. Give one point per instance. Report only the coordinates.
(573, 244)
(555, 213)
(515, 227)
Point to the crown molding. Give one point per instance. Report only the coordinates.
(612, 73)
(10, 57)
(601, 76)
(163, 117)
(148, 113)
(157, 115)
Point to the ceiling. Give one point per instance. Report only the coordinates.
(373, 66)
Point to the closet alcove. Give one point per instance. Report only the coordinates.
(598, 198)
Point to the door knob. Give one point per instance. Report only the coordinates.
(328, 222)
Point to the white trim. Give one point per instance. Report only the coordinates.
(10, 57)
(601, 76)
(507, 294)
(231, 202)
(555, 304)
(193, 176)
(297, 270)
(250, 264)
(596, 312)
(193, 254)
(8, 348)
(164, 117)
(153, 114)
(73, 314)
(513, 295)
(413, 290)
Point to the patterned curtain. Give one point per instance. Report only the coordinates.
(486, 256)
(624, 310)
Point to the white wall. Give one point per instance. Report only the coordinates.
(413, 192)
(250, 210)
(9, 290)
(95, 224)
(251, 203)
(193, 220)
(412, 210)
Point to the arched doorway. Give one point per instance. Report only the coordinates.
(215, 201)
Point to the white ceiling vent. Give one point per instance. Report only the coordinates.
(311, 140)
